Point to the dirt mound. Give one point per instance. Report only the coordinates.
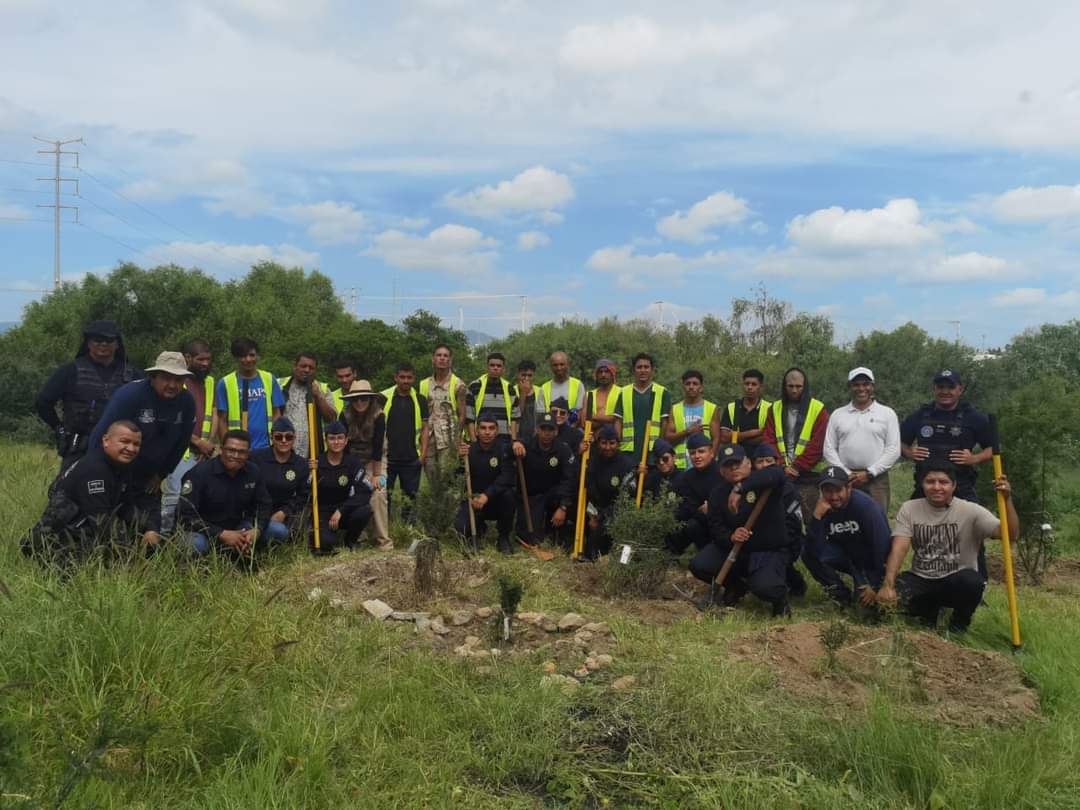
(934, 677)
(1062, 575)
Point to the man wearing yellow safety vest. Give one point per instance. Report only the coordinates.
(743, 421)
(299, 389)
(406, 434)
(492, 393)
(600, 402)
(247, 396)
(694, 414)
(796, 428)
(200, 384)
(445, 395)
(562, 385)
(642, 402)
(345, 374)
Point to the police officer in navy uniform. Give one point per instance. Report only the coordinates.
(344, 492)
(663, 472)
(609, 473)
(693, 488)
(491, 475)
(224, 501)
(948, 428)
(287, 478)
(92, 504)
(765, 455)
(83, 388)
(549, 477)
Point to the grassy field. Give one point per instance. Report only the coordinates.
(162, 686)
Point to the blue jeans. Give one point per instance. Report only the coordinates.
(171, 494)
(276, 533)
(199, 544)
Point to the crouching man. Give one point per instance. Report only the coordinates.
(491, 478)
(224, 500)
(93, 503)
(945, 532)
(849, 534)
(765, 553)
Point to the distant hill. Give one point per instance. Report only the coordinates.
(477, 338)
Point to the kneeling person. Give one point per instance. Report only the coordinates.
(549, 478)
(946, 533)
(694, 487)
(287, 479)
(92, 503)
(609, 473)
(849, 534)
(224, 500)
(491, 477)
(344, 492)
(763, 560)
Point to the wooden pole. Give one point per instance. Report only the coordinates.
(313, 454)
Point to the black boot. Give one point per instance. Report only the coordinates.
(504, 545)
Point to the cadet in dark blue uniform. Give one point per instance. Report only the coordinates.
(849, 534)
(92, 504)
(765, 455)
(344, 492)
(609, 473)
(549, 478)
(765, 555)
(165, 413)
(287, 477)
(83, 388)
(693, 488)
(568, 434)
(948, 429)
(663, 472)
(224, 500)
(491, 474)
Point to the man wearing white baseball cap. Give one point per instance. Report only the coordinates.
(863, 437)
(165, 413)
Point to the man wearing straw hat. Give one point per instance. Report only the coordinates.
(165, 414)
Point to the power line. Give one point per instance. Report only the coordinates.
(140, 206)
(23, 219)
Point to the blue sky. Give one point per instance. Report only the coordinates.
(876, 162)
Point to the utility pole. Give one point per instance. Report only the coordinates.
(524, 302)
(660, 314)
(957, 325)
(57, 150)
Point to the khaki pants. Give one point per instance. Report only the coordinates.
(378, 530)
(878, 489)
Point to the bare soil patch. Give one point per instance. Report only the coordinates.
(1062, 575)
(932, 676)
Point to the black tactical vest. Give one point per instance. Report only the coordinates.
(86, 401)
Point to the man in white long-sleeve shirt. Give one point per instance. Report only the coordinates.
(864, 438)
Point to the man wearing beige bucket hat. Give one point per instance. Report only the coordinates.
(165, 413)
(363, 416)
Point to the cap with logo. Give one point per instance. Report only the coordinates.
(732, 453)
(546, 420)
(833, 477)
(697, 440)
(947, 376)
(661, 447)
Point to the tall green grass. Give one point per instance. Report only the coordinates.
(165, 685)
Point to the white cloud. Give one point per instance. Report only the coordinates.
(898, 225)
(968, 267)
(530, 240)
(412, 223)
(225, 185)
(538, 189)
(697, 224)
(328, 222)
(450, 248)
(633, 270)
(1044, 204)
(12, 211)
(229, 257)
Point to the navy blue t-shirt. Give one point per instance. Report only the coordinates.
(861, 530)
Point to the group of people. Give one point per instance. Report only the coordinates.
(238, 463)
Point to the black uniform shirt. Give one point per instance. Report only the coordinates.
(91, 494)
(941, 432)
(770, 531)
(694, 488)
(550, 470)
(605, 478)
(341, 486)
(491, 471)
(401, 427)
(212, 501)
(287, 482)
(654, 480)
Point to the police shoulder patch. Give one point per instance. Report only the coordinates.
(96, 487)
(926, 431)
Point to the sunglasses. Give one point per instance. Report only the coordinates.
(284, 437)
(556, 412)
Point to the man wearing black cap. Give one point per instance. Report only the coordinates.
(165, 413)
(287, 479)
(849, 534)
(765, 554)
(549, 478)
(92, 504)
(224, 501)
(663, 473)
(948, 428)
(609, 473)
(83, 388)
(571, 436)
(765, 455)
(491, 476)
(946, 533)
(694, 487)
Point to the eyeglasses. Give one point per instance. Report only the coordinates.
(284, 437)
(557, 412)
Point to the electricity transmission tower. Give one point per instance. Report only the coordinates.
(58, 150)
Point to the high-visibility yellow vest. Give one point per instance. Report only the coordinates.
(479, 405)
(609, 403)
(678, 416)
(626, 395)
(572, 395)
(762, 416)
(208, 410)
(455, 383)
(232, 399)
(418, 423)
(339, 401)
(812, 413)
